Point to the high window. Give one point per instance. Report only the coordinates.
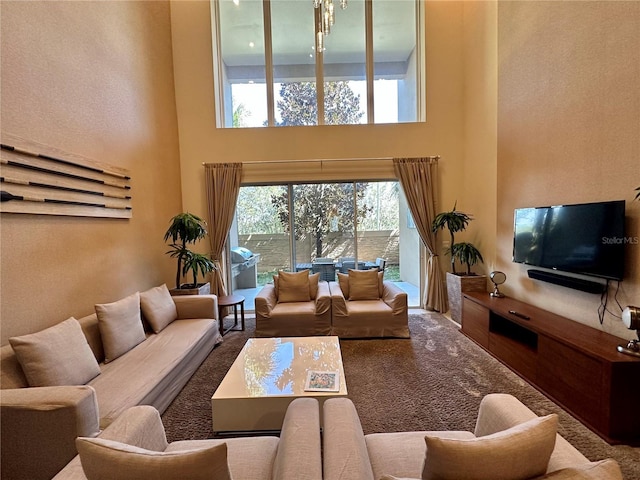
(275, 67)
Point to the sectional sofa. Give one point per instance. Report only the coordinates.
(77, 377)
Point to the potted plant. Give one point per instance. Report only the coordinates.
(465, 253)
(185, 229)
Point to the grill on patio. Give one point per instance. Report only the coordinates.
(244, 268)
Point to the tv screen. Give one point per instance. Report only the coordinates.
(587, 238)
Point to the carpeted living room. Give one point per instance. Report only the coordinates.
(113, 114)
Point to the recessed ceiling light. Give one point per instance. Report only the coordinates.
(251, 44)
(311, 55)
(236, 2)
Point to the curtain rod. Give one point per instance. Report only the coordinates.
(329, 160)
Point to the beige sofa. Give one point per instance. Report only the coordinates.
(295, 455)
(282, 315)
(39, 424)
(384, 313)
(348, 454)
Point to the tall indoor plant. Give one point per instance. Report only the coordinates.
(185, 229)
(466, 253)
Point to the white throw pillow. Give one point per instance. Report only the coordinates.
(120, 326)
(58, 355)
(519, 453)
(110, 460)
(158, 307)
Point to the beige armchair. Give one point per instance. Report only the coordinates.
(295, 305)
(364, 305)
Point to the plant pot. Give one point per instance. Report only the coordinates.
(202, 289)
(459, 284)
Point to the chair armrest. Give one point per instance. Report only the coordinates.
(42, 423)
(345, 455)
(140, 426)
(323, 298)
(266, 300)
(299, 456)
(395, 297)
(338, 302)
(500, 411)
(196, 306)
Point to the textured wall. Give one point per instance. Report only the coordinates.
(568, 131)
(96, 79)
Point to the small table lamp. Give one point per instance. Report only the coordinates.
(631, 319)
(497, 278)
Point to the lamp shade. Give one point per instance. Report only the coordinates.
(631, 317)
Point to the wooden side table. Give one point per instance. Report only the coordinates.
(231, 301)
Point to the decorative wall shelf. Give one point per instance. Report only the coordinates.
(42, 180)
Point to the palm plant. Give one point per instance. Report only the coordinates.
(185, 229)
(456, 221)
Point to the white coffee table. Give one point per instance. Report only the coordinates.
(268, 374)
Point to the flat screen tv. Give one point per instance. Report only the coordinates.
(586, 238)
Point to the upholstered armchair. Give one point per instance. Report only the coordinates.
(295, 305)
(364, 305)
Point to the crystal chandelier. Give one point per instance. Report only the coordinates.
(327, 19)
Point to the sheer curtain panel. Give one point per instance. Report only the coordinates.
(222, 181)
(418, 179)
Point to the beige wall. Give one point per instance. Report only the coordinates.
(95, 79)
(568, 131)
(477, 192)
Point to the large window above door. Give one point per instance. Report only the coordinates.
(273, 66)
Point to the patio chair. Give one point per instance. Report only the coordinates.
(327, 271)
(381, 263)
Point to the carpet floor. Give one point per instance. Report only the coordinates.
(433, 381)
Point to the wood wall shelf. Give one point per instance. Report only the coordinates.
(575, 365)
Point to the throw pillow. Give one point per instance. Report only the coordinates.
(343, 283)
(109, 460)
(313, 285)
(607, 468)
(293, 286)
(158, 307)
(120, 326)
(363, 285)
(58, 355)
(518, 453)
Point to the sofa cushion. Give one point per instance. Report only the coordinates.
(520, 452)
(58, 355)
(607, 469)
(364, 285)
(314, 278)
(343, 283)
(293, 287)
(107, 459)
(120, 326)
(158, 307)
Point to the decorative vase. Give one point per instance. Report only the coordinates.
(459, 284)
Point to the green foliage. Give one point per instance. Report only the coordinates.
(466, 254)
(322, 208)
(197, 262)
(456, 221)
(240, 115)
(256, 214)
(185, 228)
(298, 104)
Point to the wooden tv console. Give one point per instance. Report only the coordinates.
(575, 365)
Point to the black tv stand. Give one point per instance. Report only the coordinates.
(566, 281)
(577, 366)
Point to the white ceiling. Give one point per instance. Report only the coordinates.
(293, 32)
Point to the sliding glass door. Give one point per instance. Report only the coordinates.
(324, 227)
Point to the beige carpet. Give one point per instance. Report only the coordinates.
(433, 381)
